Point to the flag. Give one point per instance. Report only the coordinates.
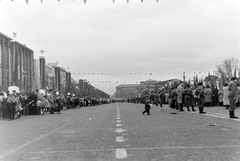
(85, 1)
(113, 1)
(127, 1)
(235, 72)
(142, 1)
(157, 1)
(27, 1)
(41, 1)
(14, 34)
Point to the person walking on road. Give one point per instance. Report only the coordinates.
(147, 107)
(232, 88)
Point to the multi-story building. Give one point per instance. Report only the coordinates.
(5, 73)
(127, 90)
(17, 65)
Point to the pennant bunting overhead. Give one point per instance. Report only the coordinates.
(85, 1)
(27, 1)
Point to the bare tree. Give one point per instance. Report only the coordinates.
(228, 68)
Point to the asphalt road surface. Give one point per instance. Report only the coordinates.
(119, 131)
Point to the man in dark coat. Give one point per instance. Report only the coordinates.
(214, 96)
(147, 107)
(33, 107)
(201, 97)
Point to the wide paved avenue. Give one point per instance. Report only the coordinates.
(119, 131)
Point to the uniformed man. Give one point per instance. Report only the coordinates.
(173, 96)
(232, 88)
(179, 92)
(188, 96)
(201, 97)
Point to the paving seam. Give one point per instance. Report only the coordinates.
(44, 135)
(145, 148)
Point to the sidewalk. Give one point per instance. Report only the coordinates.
(221, 110)
(215, 109)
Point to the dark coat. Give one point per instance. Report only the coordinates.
(147, 106)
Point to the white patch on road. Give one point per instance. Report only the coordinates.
(119, 139)
(119, 130)
(121, 153)
(119, 125)
(35, 158)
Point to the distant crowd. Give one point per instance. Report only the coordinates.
(13, 105)
(185, 95)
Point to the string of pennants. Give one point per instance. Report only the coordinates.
(101, 82)
(85, 73)
(85, 1)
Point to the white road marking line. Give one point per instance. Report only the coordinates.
(119, 130)
(119, 139)
(119, 121)
(118, 118)
(121, 153)
(119, 125)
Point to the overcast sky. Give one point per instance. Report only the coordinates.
(165, 38)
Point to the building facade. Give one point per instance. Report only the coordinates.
(127, 90)
(5, 72)
(17, 65)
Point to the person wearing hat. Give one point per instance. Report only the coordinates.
(201, 97)
(179, 92)
(232, 88)
(147, 107)
(11, 103)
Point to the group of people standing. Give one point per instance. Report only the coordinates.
(13, 104)
(188, 96)
(201, 97)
